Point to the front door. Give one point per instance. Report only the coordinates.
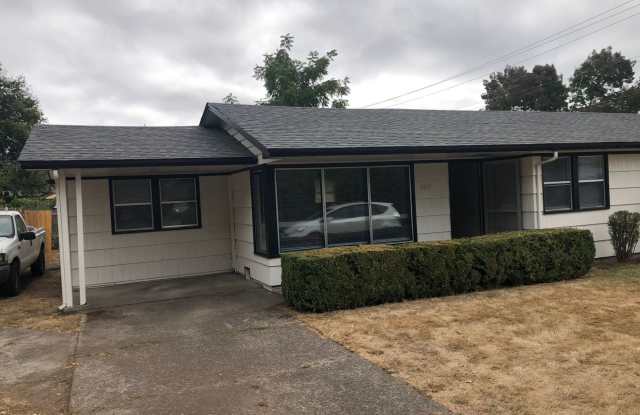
(465, 195)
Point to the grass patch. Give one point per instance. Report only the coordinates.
(564, 347)
(36, 307)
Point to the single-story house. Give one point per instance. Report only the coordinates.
(251, 182)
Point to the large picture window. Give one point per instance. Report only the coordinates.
(343, 206)
(145, 204)
(577, 182)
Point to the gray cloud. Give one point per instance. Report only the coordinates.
(158, 62)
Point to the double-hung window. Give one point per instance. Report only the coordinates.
(178, 202)
(576, 182)
(150, 204)
(132, 205)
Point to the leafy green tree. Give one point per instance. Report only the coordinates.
(602, 83)
(517, 89)
(230, 99)
(19, 112)
(293, 82)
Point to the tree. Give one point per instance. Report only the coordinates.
(602, 83)
(230, 99)
(19, 112)
(292, 82)
(517, 89)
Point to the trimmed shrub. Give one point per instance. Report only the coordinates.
(349, 277)
(624, 229)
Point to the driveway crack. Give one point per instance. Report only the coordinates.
(72, 363)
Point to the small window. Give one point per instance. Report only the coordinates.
(591, 182)
(132, 205)
(556, 176)
(144, 204)
(577, 182)
(178, 203)
(20, 225)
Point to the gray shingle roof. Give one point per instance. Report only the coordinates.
(290, 130)
(51, 146)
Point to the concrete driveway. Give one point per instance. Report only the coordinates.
(225, 346)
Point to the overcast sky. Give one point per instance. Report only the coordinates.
(156, 63)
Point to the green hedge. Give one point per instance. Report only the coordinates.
(349, 277)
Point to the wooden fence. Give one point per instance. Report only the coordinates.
(44, 219)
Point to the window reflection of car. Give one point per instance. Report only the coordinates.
(346, 218)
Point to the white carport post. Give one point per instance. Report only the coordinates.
(63, 236)
(82, 281)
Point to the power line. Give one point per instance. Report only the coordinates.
(528, 58)
(541, 42)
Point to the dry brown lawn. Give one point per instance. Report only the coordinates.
(562, 348)
(37, 306)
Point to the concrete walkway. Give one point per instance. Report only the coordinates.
(223, 346)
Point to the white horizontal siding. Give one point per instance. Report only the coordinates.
(624, 191)
(433, 217)
(113, 259)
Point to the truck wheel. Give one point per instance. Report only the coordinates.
(37, 269)
(13, 284)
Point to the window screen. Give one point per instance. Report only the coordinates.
(557, 180)
(591, 182)
(178, 202)
(132, 205)
(577, 182)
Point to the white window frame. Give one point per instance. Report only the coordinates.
(602, 180)
(116, 205)
(170, 202)
(557, 183)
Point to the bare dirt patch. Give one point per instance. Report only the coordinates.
(563, 348)
(37, 306)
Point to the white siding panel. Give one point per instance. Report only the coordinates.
(433, 217)
(112, 259)
(624, 183)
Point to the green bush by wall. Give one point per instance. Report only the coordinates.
(350, 277)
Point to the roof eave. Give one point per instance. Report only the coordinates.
(222, 119)
(76, 164)
(336, 151)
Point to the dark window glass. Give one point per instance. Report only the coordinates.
(591, 181)
(557, 197)
(179, 215)
(300, 209)
(133, 218)
(390, 203)
(179, 203)
(132, 205)
(558, 170)
(259, 213)
(347, 189)
(178, 190)
(20, 225)
(557, 185)
(131, 191)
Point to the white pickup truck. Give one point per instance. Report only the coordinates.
(21, 247)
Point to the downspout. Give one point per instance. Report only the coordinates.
(539, 190)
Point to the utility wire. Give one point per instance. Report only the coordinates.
(527, 59)
(541, 42)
